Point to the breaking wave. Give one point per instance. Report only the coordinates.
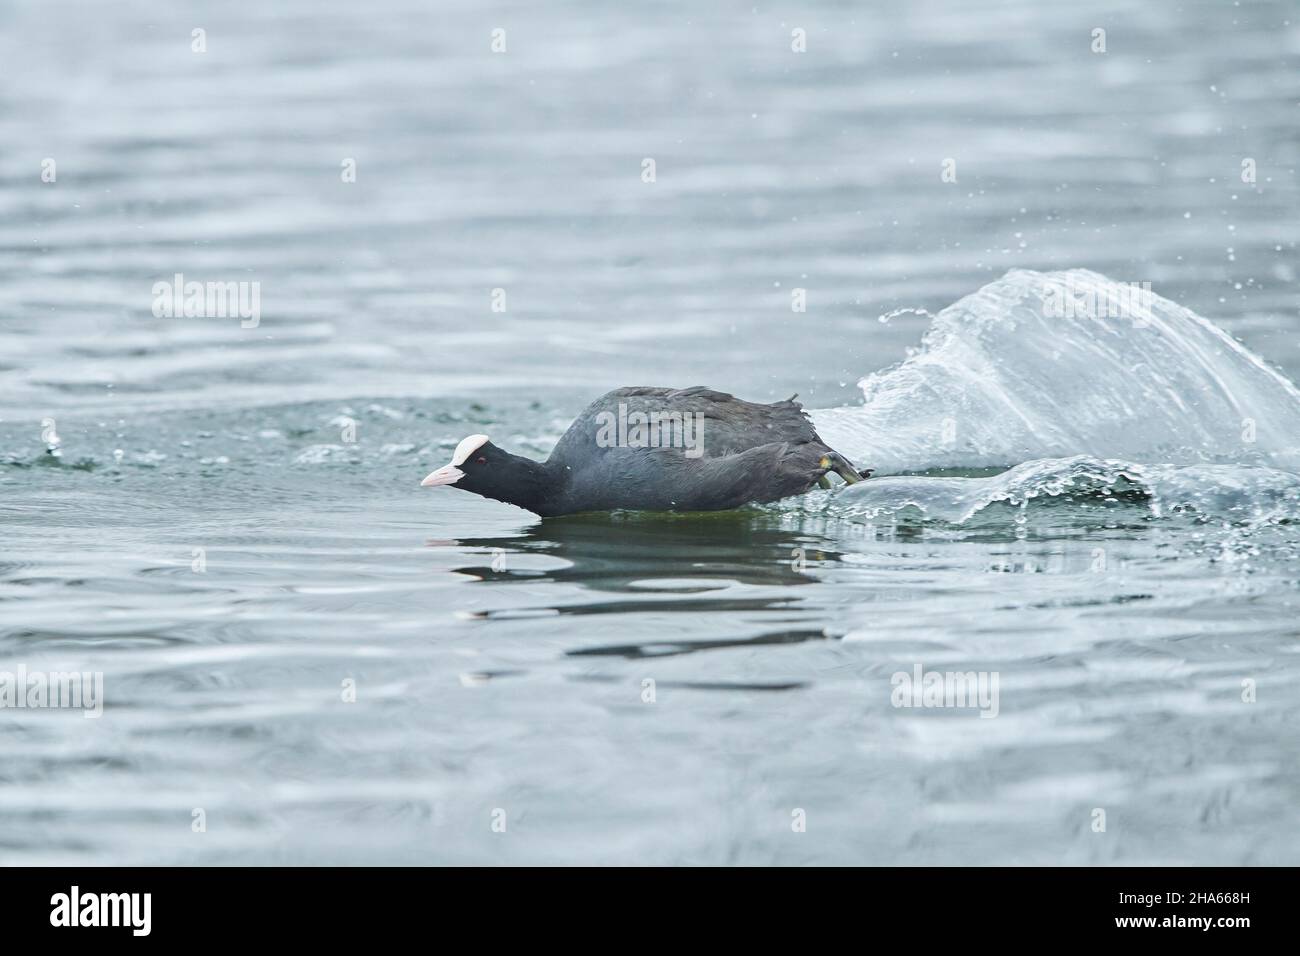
(1249, 494)
(1071, 381)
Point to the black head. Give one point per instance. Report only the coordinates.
(479, 466)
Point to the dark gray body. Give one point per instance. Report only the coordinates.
(750, 453)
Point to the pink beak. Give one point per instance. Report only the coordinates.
(446, 475)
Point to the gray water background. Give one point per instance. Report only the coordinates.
(521, 689)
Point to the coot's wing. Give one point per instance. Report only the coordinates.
(763, 473)
(667, 480)
(710, 424)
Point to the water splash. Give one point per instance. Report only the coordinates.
(1008, 375)
(1252, 495)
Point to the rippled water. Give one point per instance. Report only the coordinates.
(1077, 505)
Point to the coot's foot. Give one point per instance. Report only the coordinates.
(844, 468)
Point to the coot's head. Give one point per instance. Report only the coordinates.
(470, 463)
(479, 466)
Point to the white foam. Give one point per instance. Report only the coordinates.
(1231, 492)
(1002, 378)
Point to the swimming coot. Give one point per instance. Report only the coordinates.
(657, 449)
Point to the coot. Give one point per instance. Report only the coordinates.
(657, 449)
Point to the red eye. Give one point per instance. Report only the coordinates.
(482, 461)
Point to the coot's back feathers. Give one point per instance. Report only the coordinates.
(730, 424)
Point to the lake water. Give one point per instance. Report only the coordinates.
(307, 658)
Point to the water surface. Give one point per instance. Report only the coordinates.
(1070, 505)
